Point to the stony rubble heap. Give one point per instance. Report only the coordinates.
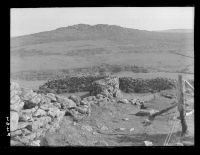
(108, 87)
(33, 114)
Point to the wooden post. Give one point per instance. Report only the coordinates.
(151, 117)
(181, 106)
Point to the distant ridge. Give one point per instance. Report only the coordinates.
(177, 31)
(97, 32)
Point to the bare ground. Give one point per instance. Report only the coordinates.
(102, 128)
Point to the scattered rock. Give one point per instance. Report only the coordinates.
(148, 143)
(35, 143)
(104, 128)
(124, 101)
(125, 119)
(133, 101)
(94, 133)
(122, 129)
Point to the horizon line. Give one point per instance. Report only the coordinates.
(102, 24)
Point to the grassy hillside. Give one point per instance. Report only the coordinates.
(84, 46)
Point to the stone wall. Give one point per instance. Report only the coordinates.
(130, 85)
(108, 87)
(91, 83)
(70, 84)
(33, 114)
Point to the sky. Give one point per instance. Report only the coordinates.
(32, 20)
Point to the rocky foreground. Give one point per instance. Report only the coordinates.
(34, 114)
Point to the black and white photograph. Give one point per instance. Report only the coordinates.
(102, 76)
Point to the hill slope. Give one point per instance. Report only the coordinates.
(100, 31)
(82, 45)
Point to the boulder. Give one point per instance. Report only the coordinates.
(14, 118)
(65, 102)
(25, 117)
(15, 133)
(39, 112)
(22, 125)
(124, 101)
(14, 86)
(15, 99)
(51, 96)
(17, 107)
(82, 110)
(53, 112)
(36, 99)
(75, 98)
(83, 102)
(16, 143)
(45, 106)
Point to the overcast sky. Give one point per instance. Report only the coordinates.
(33, 20)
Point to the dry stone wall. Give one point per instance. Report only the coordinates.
(96, 84)
(130, 85)
(33, 114)
(70, 84)
(108, 87)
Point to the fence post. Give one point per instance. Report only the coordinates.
(181, 105)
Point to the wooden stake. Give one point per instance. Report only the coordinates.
(181, 106)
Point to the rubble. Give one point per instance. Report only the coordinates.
(33, 114)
